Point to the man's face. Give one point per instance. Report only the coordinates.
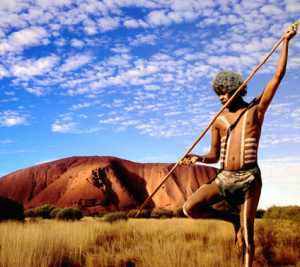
(224, 97)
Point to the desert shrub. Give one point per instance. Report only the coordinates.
(277, 242)
(143, 214)
(69, 214)
(29, 213)
(54, 212)
(115, 216)
(161, 214)
(11, 210)
(287, 213)
(100, 214)
(260, 213)
(43, 211)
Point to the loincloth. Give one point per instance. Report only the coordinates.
(233, 185)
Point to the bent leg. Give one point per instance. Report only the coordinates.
(247, 216)
(197, 205)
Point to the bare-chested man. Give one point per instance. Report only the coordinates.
(235, 138)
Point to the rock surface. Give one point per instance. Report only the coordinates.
(96, 183)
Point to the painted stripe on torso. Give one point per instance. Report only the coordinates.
(225, 159)
(243, 139)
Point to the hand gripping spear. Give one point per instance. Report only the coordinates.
(213, 120)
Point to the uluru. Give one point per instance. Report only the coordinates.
(102, 183)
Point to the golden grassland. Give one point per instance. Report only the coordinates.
(172, 242)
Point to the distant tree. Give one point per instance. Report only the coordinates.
(54, 212)
(101, 213)
(260, 213)
(287, 213)
(161, 214)
(143, 213)
(11, 210)
(69, 214)
(115, 216)
(43, 211)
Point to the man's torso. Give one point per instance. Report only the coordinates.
(239, 147)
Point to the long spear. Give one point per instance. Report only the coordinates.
(213, 120)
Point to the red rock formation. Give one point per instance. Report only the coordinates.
(102, 183)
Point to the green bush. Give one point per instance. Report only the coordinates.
(100, 214)
(54, 212)
(143, 214)
(29, 213)
(161, 214)
(69, 214)
(115, 216)
(287, 213)
(260, 213)
(43, 211)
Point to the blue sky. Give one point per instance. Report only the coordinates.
(133, 79)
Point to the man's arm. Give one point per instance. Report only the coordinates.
(212, 156)
(273, 84)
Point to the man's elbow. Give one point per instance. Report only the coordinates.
(212, 159)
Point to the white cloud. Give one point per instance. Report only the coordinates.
(8, 4)
(158, 17)
(38, 91)
(271, 10)
(63, 127)
(77, 43)
(275, 140)
(30, 68)
(3, 72)
(22, 39)
(119, 60)
(75, 62)
(10, 93)
(12, 118)
(149, 39)
(66, 124)
(135, 23)
(292, 6)
(81, 106)
(47, 3)
(108, 23)
(90, 27)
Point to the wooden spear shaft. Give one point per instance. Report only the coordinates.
(211, 123)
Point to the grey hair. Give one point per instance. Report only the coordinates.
(227, 81)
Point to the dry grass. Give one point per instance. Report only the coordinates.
(142, 242)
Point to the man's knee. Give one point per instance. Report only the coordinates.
(186, 208)
(197, 211)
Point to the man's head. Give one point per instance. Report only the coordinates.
(227, 82)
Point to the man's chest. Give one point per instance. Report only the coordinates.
(244, 120)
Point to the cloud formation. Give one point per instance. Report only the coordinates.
(10, 118)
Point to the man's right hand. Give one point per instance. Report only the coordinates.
(291, 31)
(189, 159)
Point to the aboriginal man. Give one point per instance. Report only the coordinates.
(234, 142)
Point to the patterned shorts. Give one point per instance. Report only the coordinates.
(233, 185)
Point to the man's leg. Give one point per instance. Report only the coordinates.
(197, 205)
(247, 216)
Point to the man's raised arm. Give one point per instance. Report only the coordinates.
(273, 84)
